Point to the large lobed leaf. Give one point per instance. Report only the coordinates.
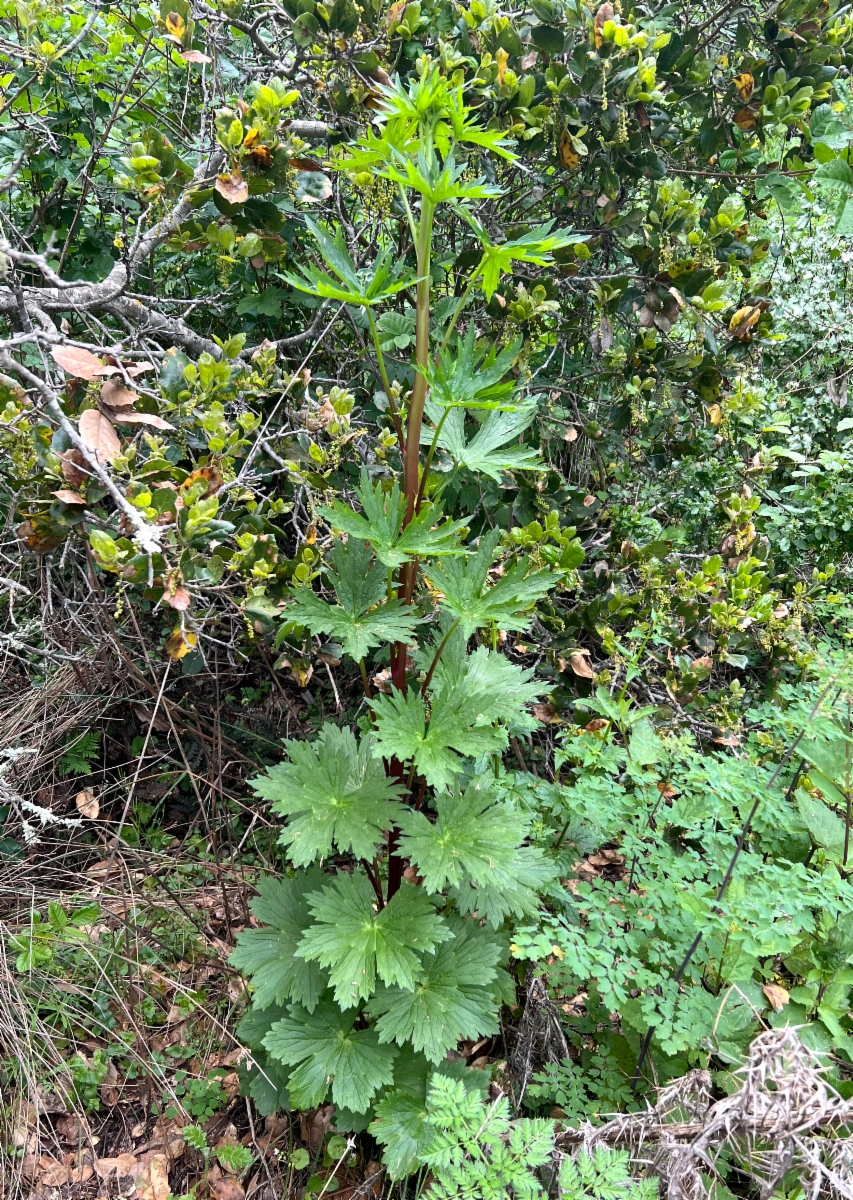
(472, 702)
(476, 845)
(382, 525)
(359, 942)
(335, 794)
(474, 603)
(363, 617)
(457, 996)
(267, 955)
(323, 1048)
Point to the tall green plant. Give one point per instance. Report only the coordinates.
(366, 973)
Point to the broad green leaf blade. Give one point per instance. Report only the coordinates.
(335, 795)
(322, 1048)
(267, 955)
(488, 451)
(825, 827)
(468, 598)
(455, 998)
(473, 378)
(382, 525)
(363, 618)
(473, 700)
(357, 943)
(476, 846)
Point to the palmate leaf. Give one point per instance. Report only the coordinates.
(382, 525)
(267, 955)
(348, 284)
(355, 621)
(488, 452)
(335, 794)
(472, 701)
(472, 378)
(262, 1078)
(476, 846)
(358, 943)
(322, 1048)
(456, 997)
(467, 597)
(536, 246)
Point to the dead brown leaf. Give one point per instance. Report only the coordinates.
(777, 996)
(74, 467)
(123, 1166)
(194, 56)
(546, 713)
(99, 436)
(178, 599)
(224, 1187)
(139, 418)
(604, 14)
(76, 361)
(87, 806)
(233, 187)
(571, 434)
(152, 1177)
(580, 666)
(66, 496)
(116, 395)
(314, 1126)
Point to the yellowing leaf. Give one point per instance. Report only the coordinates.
(176, 25)
(569, 157)
(745, 85)
(715, 414)
(180, 643)
(744, 118)
(502, 59)
(777, 996)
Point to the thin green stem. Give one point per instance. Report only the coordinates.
(409, 213)
(428, 463)
(457, 313)
(395, 416)
(428, 680)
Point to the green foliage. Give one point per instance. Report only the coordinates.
(540, 406)
(201, 1097)
(80, 754)
(477, 1151)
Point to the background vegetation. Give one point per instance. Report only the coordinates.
(425, 486)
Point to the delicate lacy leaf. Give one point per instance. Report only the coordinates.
(358, 943)
(359, 589)
(455, 998)
(323, 1048)
(382, 525)
(467, 597)
(335, 793)
(470, 696)
(267, 954)
(400, 1122)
